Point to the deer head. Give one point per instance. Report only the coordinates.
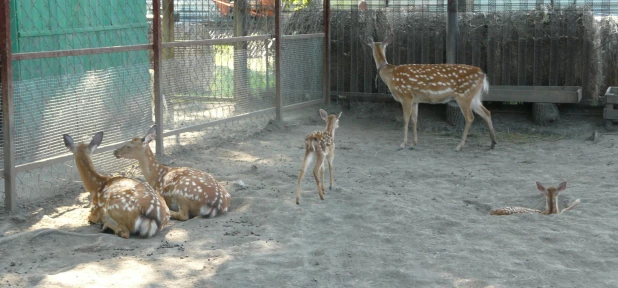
(332, 121)
(136, 147)
(378, 48)
(551, 194)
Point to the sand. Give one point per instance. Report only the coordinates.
(415, 218)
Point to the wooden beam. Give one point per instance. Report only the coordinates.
(157, 58)
(278, 39)
(8, 127)
(530, 94)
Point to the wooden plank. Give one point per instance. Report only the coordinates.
(532, 94)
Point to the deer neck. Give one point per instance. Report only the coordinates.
(551, 205)
(151, 168)
(330, 131)
(91, 178)
(384, 69)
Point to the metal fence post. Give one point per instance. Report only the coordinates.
(326, 65)
(10, 192)
(278, 38)
(452, 32)
(156, 49)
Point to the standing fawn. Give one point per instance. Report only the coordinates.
(412, 84)
(320, 145)
(194, 191)
(122, 204)
(551, 202)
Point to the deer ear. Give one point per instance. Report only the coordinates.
(562, 186)
(68, 142)
(541, 187)
(323, 114)
(150, 135)
(388, 40)
(95, 142)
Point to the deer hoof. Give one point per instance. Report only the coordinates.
(330, 188)
(493, 144)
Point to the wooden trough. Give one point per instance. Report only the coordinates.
(610, 113)
(544, 99)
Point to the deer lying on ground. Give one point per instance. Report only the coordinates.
(551, 202)
(320, 145)
(412, 84)
(122, 204)
(194, 191)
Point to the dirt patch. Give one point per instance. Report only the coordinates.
(411, 218)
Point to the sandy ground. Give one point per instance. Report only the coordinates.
(415, 218)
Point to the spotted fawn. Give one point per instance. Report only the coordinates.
(122, 204)
(194, 192)
(320, 145)
(551, 202)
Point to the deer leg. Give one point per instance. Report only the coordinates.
(467, 112)
(322, 172)
(319, 162)
(330, 159)
(413, 118)
(407, 110)
(477, 106)
(306, 161)
(183, 211)
(110, 223)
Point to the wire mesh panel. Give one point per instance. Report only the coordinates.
(77, 95)
(205, 83)
(301, 76)
(302, 53)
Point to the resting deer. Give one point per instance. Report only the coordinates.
(196, 192)
(122, 204)
(320, 145)
(551, 202)
(412, 84)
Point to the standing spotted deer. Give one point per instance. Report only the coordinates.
(412, 84)
(320, 145)
(122, 204)
(194, 191)
(551, 202)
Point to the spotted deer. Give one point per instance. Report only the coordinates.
(321, 146)
(551, 202)
(194, 191)
(411, 84)
(122, 204)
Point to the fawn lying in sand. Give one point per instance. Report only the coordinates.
(121, 204)
(551, 202)
(320, 145)
(196, 192)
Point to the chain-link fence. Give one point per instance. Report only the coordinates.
(83, 67)
(527, 42)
